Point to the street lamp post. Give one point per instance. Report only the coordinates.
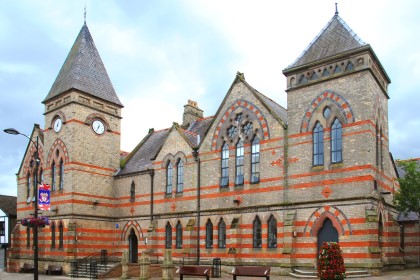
(37, 161)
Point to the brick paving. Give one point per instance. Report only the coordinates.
(408, 274)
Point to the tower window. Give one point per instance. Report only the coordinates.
(61, 175)
(272, 232)
(336, 142)
(318, 145)
(52, 235)
(178, 235)
(53, 186)
(221, 234)
(132, 191)
(60, 235)
(168, 236)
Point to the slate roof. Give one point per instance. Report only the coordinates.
(198, 128)
(273, 106)
(335, 38)
(142, 156)
(83, 70)
(8, 205)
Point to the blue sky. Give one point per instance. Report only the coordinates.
(161, 53)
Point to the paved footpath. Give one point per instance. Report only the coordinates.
(408, 274)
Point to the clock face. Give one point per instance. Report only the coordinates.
(58, 123)
(98, 127)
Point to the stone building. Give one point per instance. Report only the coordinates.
(254, 184)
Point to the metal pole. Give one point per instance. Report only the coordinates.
(37, 161)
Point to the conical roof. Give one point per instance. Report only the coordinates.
(335, 38)
(84, 70)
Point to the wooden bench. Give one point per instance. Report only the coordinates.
(54, 269)
(251, 271)
(194, 271)
(27, 268)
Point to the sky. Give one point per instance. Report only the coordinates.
(161, 53)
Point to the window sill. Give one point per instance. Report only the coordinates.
(179, 194)
(337, 165)
(168, 195)
(318, 168)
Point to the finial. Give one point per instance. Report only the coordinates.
(336, 9)
(85, 14)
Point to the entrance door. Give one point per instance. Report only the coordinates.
(133, 246)
(327, 233)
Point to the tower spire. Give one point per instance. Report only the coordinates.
(336, 9)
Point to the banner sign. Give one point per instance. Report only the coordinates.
(44, 195)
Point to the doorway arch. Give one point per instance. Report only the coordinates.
(327, 233)
(133, 247)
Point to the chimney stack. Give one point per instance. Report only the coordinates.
(191, 113)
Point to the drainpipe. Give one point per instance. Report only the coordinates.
(197, 159)
(152, 176)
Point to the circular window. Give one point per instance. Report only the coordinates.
(248, 128)
(239, 117)
(232, 130)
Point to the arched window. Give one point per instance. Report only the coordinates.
(52, 235)
(272, 232)
(180, 177)
(53, 187)
(239, 179)
(178, 235)
(169, 171)
(60, 235)
(336, 142)
(28, 188)
(381, 140)
(221, 234)
(257, 236)
(133, 192)
(209, 234)
(224, 180)
(61, 175)
(255, 160)
(168, 236)
(318, 141)
(41, 176)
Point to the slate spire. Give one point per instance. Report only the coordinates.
(335, 38)
(84, 70)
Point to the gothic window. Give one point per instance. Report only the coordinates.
(132, 191)
(221, 234)
(247, 129)
(302, 79)
(178, 235)
(61, 175)
(377, 144)
(255, 160)
(314, 76)
(224, 180)
(318, 145)
(209, 234)
(272, 232)
(60, 235)
(239, 176)
(41, 176)
(53, 187)
(28, 237)
(381, 139)
(168, 236)
(169, 171)
(325, 73)
(257, 236)
(52, 235)
(180, 177)
(336, 142)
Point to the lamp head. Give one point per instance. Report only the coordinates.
(11, 131)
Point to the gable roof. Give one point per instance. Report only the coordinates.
(84, 70)
(335, 38)
(197, 128)
(8, 205)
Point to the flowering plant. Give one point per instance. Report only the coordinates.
(41, 222)
(330, 262)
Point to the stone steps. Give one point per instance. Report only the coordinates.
(312, 274)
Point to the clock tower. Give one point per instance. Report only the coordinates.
(82, 134)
